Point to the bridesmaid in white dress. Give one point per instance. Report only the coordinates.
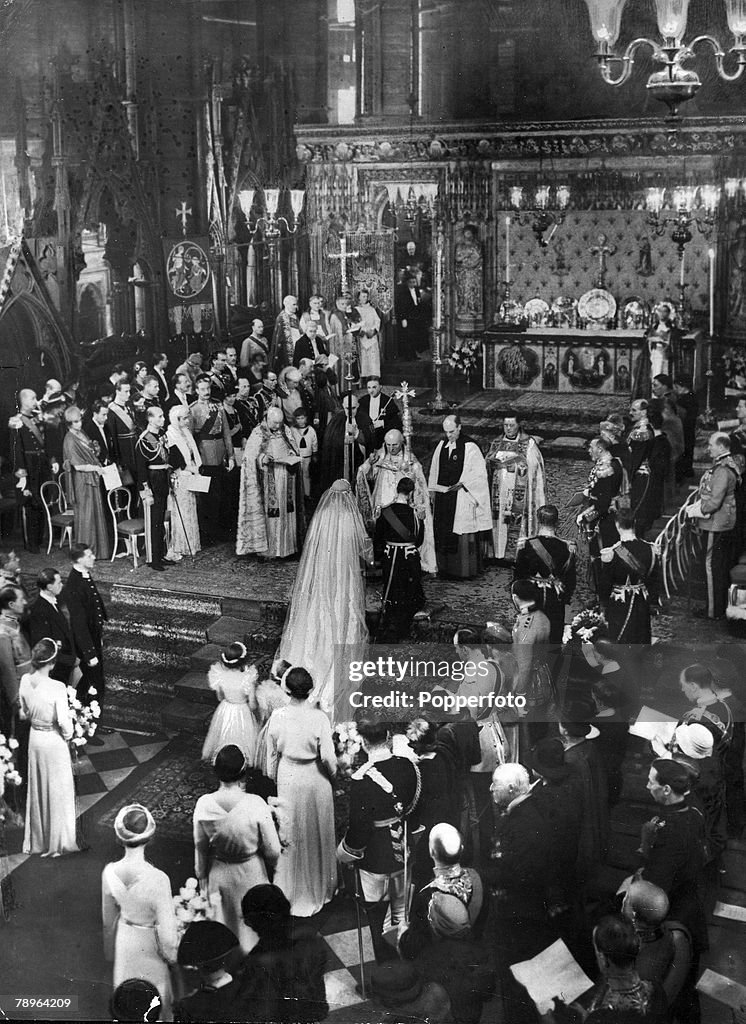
(50, 801)
(138, 912)
(235, 841)
(302, 761)
(234, 722)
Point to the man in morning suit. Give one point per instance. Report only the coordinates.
(46, 618)
(87, 617)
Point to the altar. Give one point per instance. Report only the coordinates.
(569, 360)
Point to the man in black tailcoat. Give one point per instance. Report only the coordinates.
(87, 617)
(46, 618)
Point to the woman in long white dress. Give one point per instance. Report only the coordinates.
(327, 607)
(235, 841)
(139, 922)
(184, 457)
(234, 682)
(50, 800)
(302, 761)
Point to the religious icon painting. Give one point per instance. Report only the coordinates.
(586, 367)
(518, 365)
(187, 271)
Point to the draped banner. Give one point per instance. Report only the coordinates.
(189, 292)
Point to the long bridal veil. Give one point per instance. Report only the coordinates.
(325, 624)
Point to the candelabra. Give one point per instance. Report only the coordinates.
(270, 225)
(544, 209)
(673, 84)
(682, 208)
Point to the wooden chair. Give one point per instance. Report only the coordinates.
(58, 514)
(125, 527)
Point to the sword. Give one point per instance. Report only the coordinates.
(361, 954)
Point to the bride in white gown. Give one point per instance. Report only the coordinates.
(327, 607)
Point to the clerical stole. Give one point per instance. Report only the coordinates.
(450, 468)
(509, 496)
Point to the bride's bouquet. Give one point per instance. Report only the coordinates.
(587, 626)
(347, 745)
(192, 905)
(85, 716)
(8, 772)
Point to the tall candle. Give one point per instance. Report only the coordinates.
(438, 285)
(711, 254)
(507, 250)
(681, 273)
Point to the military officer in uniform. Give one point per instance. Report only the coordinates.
(628, 583)
(153, 471)
(212, 434)
(550, 564)
(384, 793)
(121, 423)
(32, 465)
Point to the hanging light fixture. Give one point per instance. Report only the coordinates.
(673, 84)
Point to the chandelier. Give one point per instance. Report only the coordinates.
(673, 84)
(681, 209)
(543, 209)
(268, 221)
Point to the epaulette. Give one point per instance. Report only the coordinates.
(521, 543)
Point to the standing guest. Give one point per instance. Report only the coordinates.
(582, 752)
(135, 1000)
(461, 503)
(231, 366)
(149, 399)
(267, 395)
(286, 334)
(206, 947)
(153, 472)
(292, 398)
(437, 803)
(605, 483)
(87, 617)
(307, 444)
(185, 461)
(50, 800)
(235, 842)
(212, 434)
(318, 315)
(310, 345)
(549, 563)
(32, 466)
(284, 973)
(192, 367)
(515, 468)
(232, 479)
(384, 794)
(255, 345)
(246, 407)
(344, 446)
(326, 402)
(234, 682)
(182, 392)
(661, 387)
(83, 464)
(270, 510)
(369, 339)
(611, 430)
(531, 632)
(729, 694)
(377, 412)
(673, 846)
(660, 462)
(673, 426)
(399, 535)
(640, 441)
(301, 760)
(139, 373)
(121, 420)
(343, 340)
(46, 619)
(96, 428)
(411, 317)
(715, 513)
(218, 376)
(160, 365)
(137, 908)
(15, 653)
(628, 583)
(689, 411)
(738, 451)
(612, 721)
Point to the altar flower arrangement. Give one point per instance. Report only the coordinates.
(587, 625)
(85, 716)
(734, 368)
(191, 905)
(466, 358)
(8, 772)
(347, 746)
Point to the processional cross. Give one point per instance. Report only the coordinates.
(602, 250)
(342, 256)
(182, 212)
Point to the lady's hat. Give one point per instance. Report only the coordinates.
(125, 819)
(576, 719)
(234, 655)
(691, 738)
(205, 943)
(547, 758)
(395, 983)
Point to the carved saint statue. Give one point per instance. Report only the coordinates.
(469, 280)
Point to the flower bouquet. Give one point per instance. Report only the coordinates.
(85, 716)
(587, 626)
(347, 745)
(466, 358)
(192, 905)
(8, 772)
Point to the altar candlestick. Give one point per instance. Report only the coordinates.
(681, 273)
(438, 285)
(711, 254)
(507, 250)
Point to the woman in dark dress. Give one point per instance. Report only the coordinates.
(399, 533)
(437, 797)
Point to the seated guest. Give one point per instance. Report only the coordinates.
(206, 946)
(135, 1000)
(284, 973)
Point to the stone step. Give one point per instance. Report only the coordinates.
(228, 629)
(195, 688)
(205, 656)
(186, 716)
